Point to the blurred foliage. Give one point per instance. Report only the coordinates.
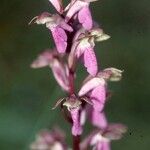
(26, 95)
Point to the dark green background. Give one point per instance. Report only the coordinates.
(26, 95)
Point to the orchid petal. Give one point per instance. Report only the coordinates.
(43, 59)
(90, 85)
(90, 61)
(76, 128)
(60, 39)
(103, 145)
(115, 131)
(49, 140)
(79, 52)
(76, 6)
(60, 74)
(98, 97)
(115, 74)
(98, 119)
(103, 37)
(65, 26)
(85, 18)
(83, 117)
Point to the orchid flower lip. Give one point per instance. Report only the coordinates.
(72, 102)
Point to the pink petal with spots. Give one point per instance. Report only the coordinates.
(97, 105)
(98, 97)
(90, 61)
(90, 85)
(60, 39)
(57, 4)
(85, 18)
(76, 128)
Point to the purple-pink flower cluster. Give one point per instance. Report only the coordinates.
(75, 34)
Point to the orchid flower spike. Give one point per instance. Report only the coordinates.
(75, 34)
(58, 27)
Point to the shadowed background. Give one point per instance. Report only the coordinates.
(26, 95)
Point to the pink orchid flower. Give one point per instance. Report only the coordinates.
(108, 74)
(49, 140)
(73, 105)
(81, 9)
(60, 70)
(44, 59)
(77, 113)
(57, 25)
(100, 139)
(96, 88)
(83, 46)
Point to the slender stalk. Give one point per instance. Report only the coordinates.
(76, 141)
(71, 80)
